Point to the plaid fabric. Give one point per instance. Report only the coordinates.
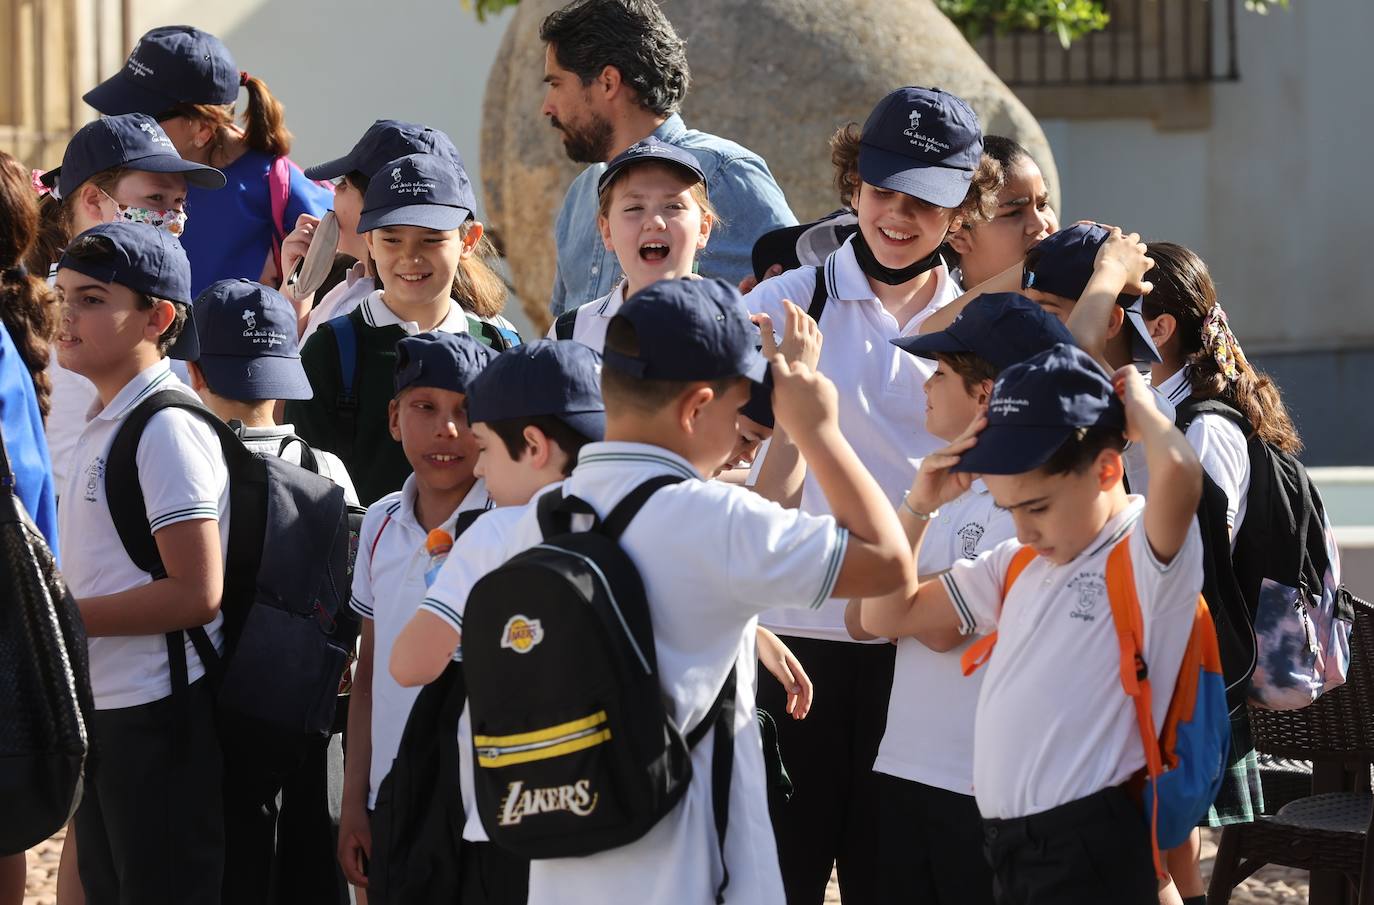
(1241, 798)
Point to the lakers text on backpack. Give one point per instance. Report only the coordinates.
(1288, 571)
(1184, 759)
(286, 631)
(574, 751)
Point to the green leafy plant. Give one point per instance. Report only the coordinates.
(484, 8)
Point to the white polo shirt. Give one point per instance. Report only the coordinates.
(881, 392)
(1133, 459)
(388, 585)
(182, 472)
(929, 735)
(340, 300)
(1053, 723)
(592, 319)
(1221, 447)
(705, 589)
(377, 314)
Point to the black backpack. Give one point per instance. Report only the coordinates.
(287, 629)
(1283, 538)
(574, 751)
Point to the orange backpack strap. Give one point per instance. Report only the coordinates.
(979, 651)
(1135, 680)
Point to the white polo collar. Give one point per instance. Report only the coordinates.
(845, 281)
(620, 455)
(611, 303)
(377, 314)
(148, 381)
(1178, 387)
(402, 509)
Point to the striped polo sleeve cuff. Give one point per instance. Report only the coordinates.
(200, 510)
(444, 612)
(359, 607)
(966, 621)
(832, 567)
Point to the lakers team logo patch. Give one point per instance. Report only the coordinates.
(577, 799)
(522, 634)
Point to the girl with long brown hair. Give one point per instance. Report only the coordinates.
(187, 80)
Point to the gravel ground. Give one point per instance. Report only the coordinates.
(1271, 886)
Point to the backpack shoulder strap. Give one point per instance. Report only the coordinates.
(310, 459)
(722, 717)
(465, 520)
(819, 295)
(1135, 675)
(619, 518)
(345, 332)
(1188, 411)
(977, 653)
(564, 324)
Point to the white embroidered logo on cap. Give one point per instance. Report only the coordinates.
(416, 186)
(135, 65)
(157, 135)
(249, 318)
(396, 174)
(923, 143)
(915, 120)
(1007, 405)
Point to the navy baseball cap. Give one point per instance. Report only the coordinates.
(385, 140)
(1062, 264)
(448, 361)
(418, 190)
(144, 259)
(759, 408)
(1002, 328)
(1037, 405)
(651, 149)
(248, 348)
(132, 140)
(689, 329)
(922, 142)
(544, 378)
(174, 64)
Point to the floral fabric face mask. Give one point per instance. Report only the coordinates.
(170, 221)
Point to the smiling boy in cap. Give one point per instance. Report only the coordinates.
(931, 835)
(428, 417)
(155, 795)
(679, 359)
(1055, 738)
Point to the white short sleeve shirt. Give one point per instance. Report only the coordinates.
(1053, 723)
(881, 391)
(592, 319)
(340, 300)
(1221, 447)
(929, 735)
(705, 591)
(388, 585)
(183, 476)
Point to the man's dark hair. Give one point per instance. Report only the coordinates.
(512, 434)
(648, 395)
(633, 36)
(1081, 449)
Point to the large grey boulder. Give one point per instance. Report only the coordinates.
(778, 76)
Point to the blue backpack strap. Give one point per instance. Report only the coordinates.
(345, 333)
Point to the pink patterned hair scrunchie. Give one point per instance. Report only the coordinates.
(1221, 344)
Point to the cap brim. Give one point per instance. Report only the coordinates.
(1012, 449)
(197, 174)
(941, 186)
(1142, 346)
(591, 425)
(255, 379)
(187, 346)
(778, 246)
(339, 166)
(928, 345)
(755, 367)
(428, 216)
(696, 175)
(119, 94)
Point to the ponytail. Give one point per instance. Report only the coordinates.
(1216, 365)
(264, 120)
(477, 286)
(26, 302)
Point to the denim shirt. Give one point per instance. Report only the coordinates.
(741, 189)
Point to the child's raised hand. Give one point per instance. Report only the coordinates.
(1139, 403)
(294, 247)
(801, 338)
(936, 483)
(804, 399)
(1129, 255)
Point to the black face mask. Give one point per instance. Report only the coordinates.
(874, 269)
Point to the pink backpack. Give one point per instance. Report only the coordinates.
(279, 191)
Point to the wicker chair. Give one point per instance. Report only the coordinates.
(1321, 832)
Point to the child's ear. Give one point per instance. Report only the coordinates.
(1117, 320)
(984, 392)
(471, 236)
(1162, 329)
(393, 417)
(960, 239)
(1111, 468)
(537, 447)
(160, 317)
(604, 226)
(707, 221)
(198, 382)
(690, 405)
(91, 201)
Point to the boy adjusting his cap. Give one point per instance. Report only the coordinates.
(1055, 737)
(403, 538)
(155, 796)
(931, 839)
(679, 360)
